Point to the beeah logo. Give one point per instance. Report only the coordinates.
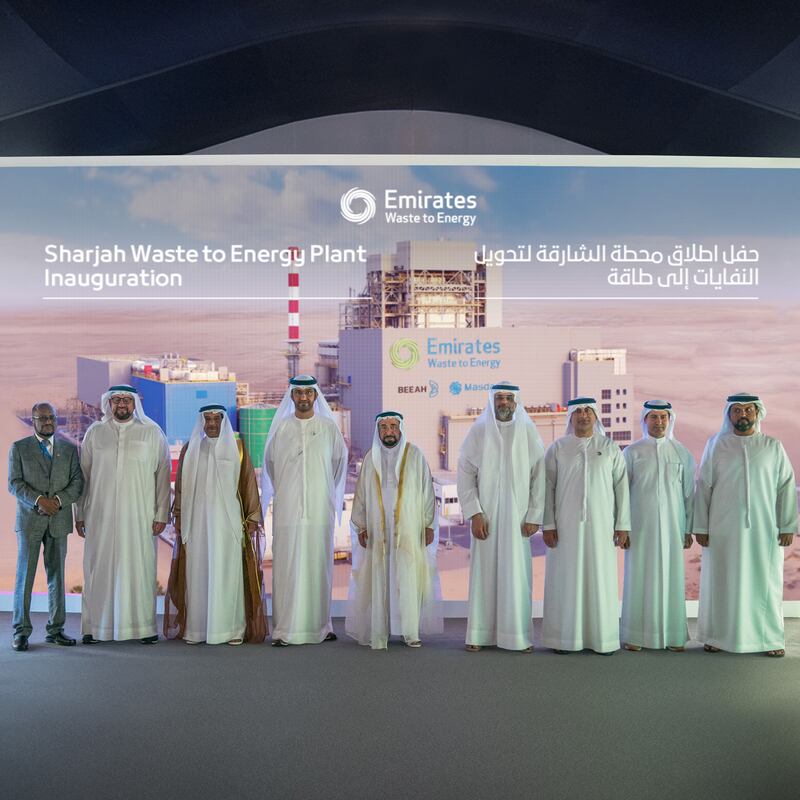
(358, 195)
(412, 389)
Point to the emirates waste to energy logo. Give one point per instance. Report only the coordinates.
(410, 208)
(404, 353)
(356, 195)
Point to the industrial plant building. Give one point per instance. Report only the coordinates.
(172, 387)
(425, 338)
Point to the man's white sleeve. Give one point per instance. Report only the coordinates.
(702, 491)
(786, 499)
(162, 475)
(86, 469)
(537, 488)
(428, 499)
(358, 516)
(551, 478)
(622, 503)
(688, 490)
(467, 477)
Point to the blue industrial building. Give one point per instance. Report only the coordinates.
(174, 405)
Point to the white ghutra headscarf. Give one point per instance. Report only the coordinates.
(490, 467)
(706, 465)
(584, 402)
(129, 391)
(224, 468)
(742, 398)
(284, 412)
(380, 453)
(658, 405)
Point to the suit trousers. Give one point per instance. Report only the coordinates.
(55, 553)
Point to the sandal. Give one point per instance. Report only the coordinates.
(709, 648)
(527, 650)
(473, 648)
(776, 653)
(236, 641)
(279, 643)
(634, 648)
(676, 649)
(331, 637)
(415, 643)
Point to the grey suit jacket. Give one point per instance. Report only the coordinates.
(31, 475)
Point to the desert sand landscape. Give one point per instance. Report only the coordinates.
(694, 355)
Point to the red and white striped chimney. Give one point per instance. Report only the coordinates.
(293, 341)
(294, 298)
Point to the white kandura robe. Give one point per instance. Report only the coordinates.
(393, 583)
(214, 578)
(587, 500)
(500, 579)
(305, 460)
(126, 469)
(745, 496)
(661, 481)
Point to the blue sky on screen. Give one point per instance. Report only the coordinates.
(273, 207)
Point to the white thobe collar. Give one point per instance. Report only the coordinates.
(744, 442)
(389, 456)
(585, 441)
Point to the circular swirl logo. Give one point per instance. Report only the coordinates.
(404, 353)
(358, 195)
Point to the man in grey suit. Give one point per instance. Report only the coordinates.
(44, 474)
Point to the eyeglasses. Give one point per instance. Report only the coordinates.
(47, 418)
(122, 401)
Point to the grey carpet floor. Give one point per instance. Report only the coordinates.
(123, 720)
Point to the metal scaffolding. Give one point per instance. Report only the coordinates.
(424, 298)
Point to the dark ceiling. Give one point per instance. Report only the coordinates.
(622, 76)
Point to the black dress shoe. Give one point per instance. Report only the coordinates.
(20, 643)
(59, 638)
(331, 637)
(89, 639)
(149, 639)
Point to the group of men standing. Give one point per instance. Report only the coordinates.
(120, 486)
(589, 497)
(586, 495)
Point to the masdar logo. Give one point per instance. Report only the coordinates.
(357, 196)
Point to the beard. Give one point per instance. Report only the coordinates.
(123, 415)
(744, 424)
(504, 414)
(389, 441)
